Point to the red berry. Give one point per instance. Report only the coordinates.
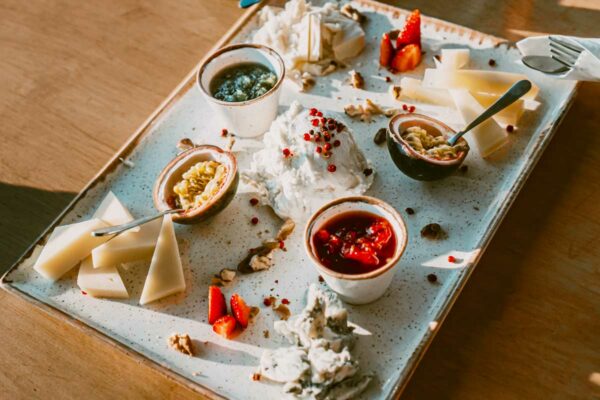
(307, 137)
(240, 310)
(281, 244)
(336, 143)
(510, 128)
(286, 152)
(285, 301)
(317, 137)
(319, 149)
(84, 293)
(323, 235)
(327, 146)
(267, 301)
(313, 111)
(340, 127)
(331, 168)
(315, 122)
(254, 201)
(224, 132)
(319, 114)
(326, 137)
(254, 220)
(404, 107)
(451, 259)
(323, 120)
(412, 109)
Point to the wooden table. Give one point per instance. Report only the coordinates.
(77, 78)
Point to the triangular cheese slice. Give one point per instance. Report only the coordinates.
(165, 276)
(101, 282)
(67, 246)
(453, 59)
(128, 246)
(488, 135)
(113, 212)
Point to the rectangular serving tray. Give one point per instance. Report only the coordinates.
(469, 206)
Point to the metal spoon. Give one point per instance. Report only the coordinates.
(513, 94)
(113, 230)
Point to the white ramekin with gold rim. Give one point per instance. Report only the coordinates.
(249, 118)
(357, 288)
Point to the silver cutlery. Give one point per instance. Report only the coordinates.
(563, 57)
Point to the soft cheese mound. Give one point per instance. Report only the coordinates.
(319, 365)
(310, 38)
(298, 184)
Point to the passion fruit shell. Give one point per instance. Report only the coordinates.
(163, 193)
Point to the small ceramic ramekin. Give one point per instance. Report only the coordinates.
(357, 288)
(411, 162)
(249, 118)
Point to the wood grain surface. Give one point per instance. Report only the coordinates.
(77, 78)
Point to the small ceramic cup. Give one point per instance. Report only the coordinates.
(249, 118)
(357, 288)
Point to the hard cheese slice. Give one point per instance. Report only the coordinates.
(488, 136)
(113, 212)
(509, 116)
(165, 276)
(129, 246)
(348, 42)
(67, 246)
(491, 82)
(453, 59)
(101, 282)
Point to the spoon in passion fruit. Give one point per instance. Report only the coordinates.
(164, 193)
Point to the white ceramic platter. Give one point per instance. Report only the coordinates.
(469, 206)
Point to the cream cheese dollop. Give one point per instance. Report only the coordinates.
(296, 185)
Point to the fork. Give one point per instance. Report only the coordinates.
(565, 53)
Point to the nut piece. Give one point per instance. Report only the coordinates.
(367, 110)
(185, 144)
(380, 136)
(182, 343)
(283, 312)
(356, 79)
(348, 11)
(395, 92)
(432, 231)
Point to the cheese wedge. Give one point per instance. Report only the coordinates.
(165, 276)
(349, 42)
(509, 116)
(112, 211)
(491, 82)
(128, 246)
(67, 246)
(413, 89)
(453, 59)
(101, 282)
(488, 136)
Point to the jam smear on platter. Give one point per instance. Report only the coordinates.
(355, 242)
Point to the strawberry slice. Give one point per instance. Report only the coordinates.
(217, 307)
(386, 50)
(240, 310)
(225, 326)
(411, 33)
(407, 58)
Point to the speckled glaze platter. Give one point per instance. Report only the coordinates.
(468, 205)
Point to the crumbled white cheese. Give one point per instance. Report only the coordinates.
(296, 186)
(320, 365)
(310, 38)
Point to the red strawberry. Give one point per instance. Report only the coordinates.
(225, 326)
(411, 34)
(407, 58)
(386, 50)
(240, 310)
(217, 307)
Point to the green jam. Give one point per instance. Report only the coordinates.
(242, 82)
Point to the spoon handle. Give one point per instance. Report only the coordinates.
(513, 94)
(112, 230)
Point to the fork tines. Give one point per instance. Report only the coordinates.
(563, 52)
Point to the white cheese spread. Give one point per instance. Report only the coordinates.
(296, 185)
(319, 365)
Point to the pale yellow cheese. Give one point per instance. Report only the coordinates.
(492, 82)
(67, 246)
(101, 282)
(165, 276)
(113, 212)
(413, 89)
(348, 42)
(128, 246)
(509, 116)
(453, 58)
(488, 136)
